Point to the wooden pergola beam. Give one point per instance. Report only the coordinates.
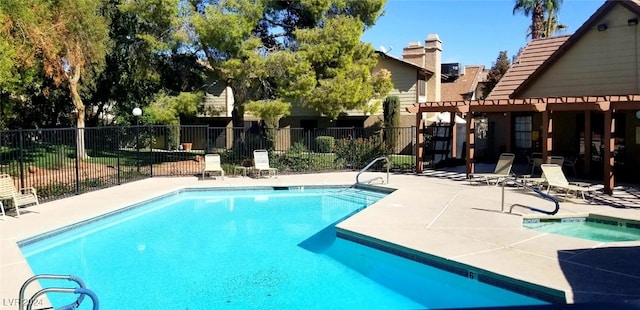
(585, 104)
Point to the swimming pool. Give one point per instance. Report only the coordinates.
(592, 227)
(247, 249)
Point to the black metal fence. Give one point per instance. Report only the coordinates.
(71, 161)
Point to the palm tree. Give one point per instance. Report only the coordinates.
(535, 9)
(552, 26)
(551, 23)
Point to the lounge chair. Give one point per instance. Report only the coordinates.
(558, 160)
(532, 182)
(501, 172)
(20, 198)
(261, 163)
(557, 181)
(212, 164)
(535, 160)
(571, 164)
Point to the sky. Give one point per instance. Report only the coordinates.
(473, 32)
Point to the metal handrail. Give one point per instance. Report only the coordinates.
(23, 288)
(78, 290)
(369, 166)
(537, 191)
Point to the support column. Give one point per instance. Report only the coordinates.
(419, 141)
(509, 133)
(547, 134)
(453, 131)
(470, 143)
(587, 142)
(609, 144)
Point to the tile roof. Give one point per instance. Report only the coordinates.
(631, 5)
(532, 56)
(463, 87)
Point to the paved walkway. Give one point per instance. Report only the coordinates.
(438, 213)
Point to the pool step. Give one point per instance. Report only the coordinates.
(360, 196)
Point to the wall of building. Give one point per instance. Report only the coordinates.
(600, 63)
(404, 80)
(215, 100)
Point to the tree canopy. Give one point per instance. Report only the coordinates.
(305, 52)
(544, 16)
(498, 69)
(79, 59)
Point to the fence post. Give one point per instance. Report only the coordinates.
(118, 143)
(206, 145)
(353, 149)
(151, 159)
(21, 143)
(310, 151)
(413, 147)
(77, 161)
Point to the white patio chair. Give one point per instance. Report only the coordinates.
(261, 163)
(212, 164)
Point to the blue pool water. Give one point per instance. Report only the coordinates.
(247, 249)
(586, 228)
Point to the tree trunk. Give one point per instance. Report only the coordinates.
(77, 102)
(549, 28)
(237, 115)
(537, 20)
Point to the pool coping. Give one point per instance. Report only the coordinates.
(473, 273)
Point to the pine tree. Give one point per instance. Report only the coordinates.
(499, 68)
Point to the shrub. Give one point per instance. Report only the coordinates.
(55, 190)
(297, 157)
(325, 144)
(91, 183)
(357, 153)
(391, 122)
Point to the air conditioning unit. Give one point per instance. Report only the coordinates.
(452, 69)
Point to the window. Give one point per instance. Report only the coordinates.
(522, 131)
(422, 89)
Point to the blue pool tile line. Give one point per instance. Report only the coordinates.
(258, 188)
(517, 286)
(574, 220)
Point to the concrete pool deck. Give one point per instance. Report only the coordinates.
(438, 213)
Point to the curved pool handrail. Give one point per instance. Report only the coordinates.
(543, 195)
(78, 290)
(547, 197)
(369, 166)
(73, 278)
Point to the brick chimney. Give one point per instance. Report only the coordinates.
(433, 62)
(430, 58)
(414, 53)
